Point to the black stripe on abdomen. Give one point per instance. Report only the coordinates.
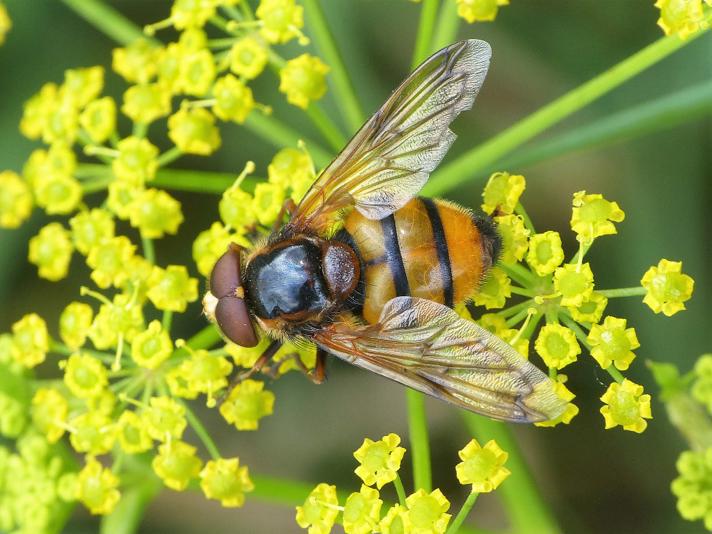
(394, 258)
(441, 249)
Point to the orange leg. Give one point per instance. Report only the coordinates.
(263, 360)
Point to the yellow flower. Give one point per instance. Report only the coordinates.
(97, 488)
(234, 99)
(146, 103)
(593, 216)
(49, 413)
(502, 192)
(224, 480)
(565, 394)
(191, 14)
(495, 291)
(379, 460)
(155, 213)
(99, 119)
(197, 72)
(94, 432)
(248, 58)
(5, 23)
(164, 419)
(514, 237)
(58, 194)
(137, 62)
(89, 228)
(193, 130)
(426, 512)
(557, 346)
(247, 404)
(573, 283)
(290, 166)
(15, 200)
(30, 340)
(319, 511)
(613, 343)
(267, 202)
(132, 434)
(681, 17)
(81, 86)
(362, 511)
(281, 20)
(396, 521)
(151, 347)
(545, 252)
(171, 288)
(479, 10)
(51, 251)
(108, 260)
(209, 246)
(590, 310)
(483, 467)
(303, 80)
(667, 287)
(176, 464)
(627, 406)
(85, 376)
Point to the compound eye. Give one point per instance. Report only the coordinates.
(233, 318)
(225, 277)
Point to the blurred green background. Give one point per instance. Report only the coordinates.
(595, 480)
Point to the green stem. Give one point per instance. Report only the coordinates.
(139, 487)
(343, 86)
(513, 310)
(583, 338)
(665, 112)
(280, 135)
(400, 490)
(149, 251)
(526, 508)
(518, 272)
(623, 292)
(517, 318)
(463, 513)
(448, 24)
(519, 210)
(474, 162)
(92, 170)
(200, 430)
(169, 156)
(424, 38)
(522, 291)
(615, 374)
(208, 182)
(326, 127)
(108, 20)
(167, 320)
(96, 185)
(419, 444)
(205, 339)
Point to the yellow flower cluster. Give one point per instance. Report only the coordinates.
(126, 382)
(421, 512)
(563, 295)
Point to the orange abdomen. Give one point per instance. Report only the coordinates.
(431, 249)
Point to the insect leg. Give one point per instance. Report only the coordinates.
(288, 207)
(316, 375)
(263, 360)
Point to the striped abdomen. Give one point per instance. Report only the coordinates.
(431, 249)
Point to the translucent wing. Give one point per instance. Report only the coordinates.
(430, 348)
(390, 158)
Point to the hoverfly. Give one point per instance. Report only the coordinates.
(370, 272)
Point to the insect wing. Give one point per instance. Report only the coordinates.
(390, 158)
(429, 347)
